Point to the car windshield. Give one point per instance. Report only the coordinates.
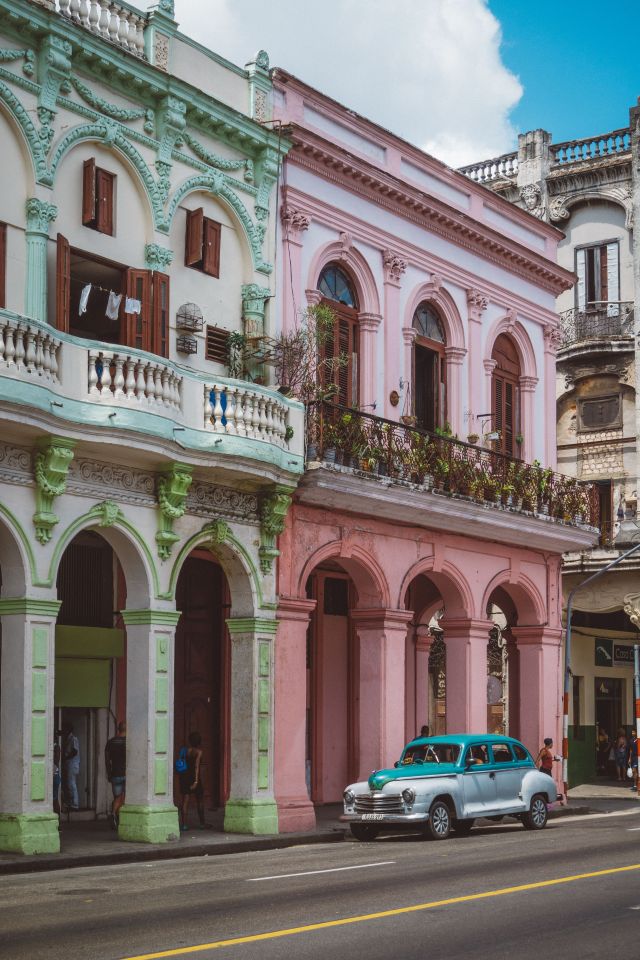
(431, 753)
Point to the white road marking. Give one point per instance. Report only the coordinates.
(593, 816)
(311, 873)
(634, 908)
(632, 830)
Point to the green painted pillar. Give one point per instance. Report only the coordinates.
(149, 814)
(39, 215)
(27, 822)
(251, 807)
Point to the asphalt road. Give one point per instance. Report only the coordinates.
(451, 899)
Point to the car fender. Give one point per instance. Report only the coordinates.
(535, 782)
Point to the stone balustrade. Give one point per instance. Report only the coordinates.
(591, 148)
(28, 349)
(120, 23)
(504, 167)
(133, 380)
(232, 408)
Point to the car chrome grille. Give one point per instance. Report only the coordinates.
(379, 803)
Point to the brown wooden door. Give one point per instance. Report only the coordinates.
(200, 666)
(506, 394)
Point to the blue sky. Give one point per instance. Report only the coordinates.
(577, 60)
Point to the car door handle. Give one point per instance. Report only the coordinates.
(492, 775)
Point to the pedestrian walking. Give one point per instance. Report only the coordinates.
(70, 766)
(633, 760)
(546, 757)
(621, 750)
(115, 758)
(191, 781)
(57, 776)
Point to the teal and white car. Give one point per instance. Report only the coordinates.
(445, 783)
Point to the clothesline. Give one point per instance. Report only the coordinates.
(112, 310)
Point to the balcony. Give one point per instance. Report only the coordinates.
(109, 389)
(596, 322)
(120, 23)
(413, 476)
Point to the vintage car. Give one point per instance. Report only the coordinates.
(444, 783)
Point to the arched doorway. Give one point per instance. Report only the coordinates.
(338, 292)
(429, 368)
(505, 395)
(202, 664)
(90, 663)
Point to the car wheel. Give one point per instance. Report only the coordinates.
(363, 831)
(463, 827)
(536, 818)
(439, 820)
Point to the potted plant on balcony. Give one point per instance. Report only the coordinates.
(441, 472)
(490, 488)
(473, 438)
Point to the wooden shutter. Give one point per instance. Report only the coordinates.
(160, 340)
(345, 371)
(581, 272)
(498, 399)
(613, 280)
(509, 418)
(217, 346)
(137, 327)
(194, 238)
(211, 248)
(63, 283)
(89, 193)
(3, 264)
(104, 184)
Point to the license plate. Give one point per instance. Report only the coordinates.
(372, 816)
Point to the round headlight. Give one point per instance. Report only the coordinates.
(348, 796)
(408, 796)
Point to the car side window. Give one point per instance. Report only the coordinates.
(502, 753)
(520, 752)
(477, 754)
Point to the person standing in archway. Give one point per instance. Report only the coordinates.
(191, 781)
(70, 766)
(115, 758)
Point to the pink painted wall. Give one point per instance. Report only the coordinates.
(333, 709)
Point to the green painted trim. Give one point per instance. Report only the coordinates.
(251, 816)
(29, 833)
(205, 537)
(16, 527)
(252, 625)
(27, 605)
(142, 824)
(91, 519)
(167, 618)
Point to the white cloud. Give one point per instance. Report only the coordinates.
(428, 70)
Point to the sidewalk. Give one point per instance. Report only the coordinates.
(91, 843)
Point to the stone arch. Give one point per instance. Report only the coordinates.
(523, 594)
(133, 553)
(216, 184)
(30, 139)
(108, 135)
(618, 196)
(444, 303)
(366, 573)
(16, 557)
(343, 253)
(512, 328)
(241, 573)
(452, 584)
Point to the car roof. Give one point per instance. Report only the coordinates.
(464, 739)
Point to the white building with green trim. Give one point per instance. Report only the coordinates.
(142, 488)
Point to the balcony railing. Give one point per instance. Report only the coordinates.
(499, 168)
(592, 148)
(598, 321)
(359, 441)
(121, 378)
(120, 23)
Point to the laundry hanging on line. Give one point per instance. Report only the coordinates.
(113, 305)
(132, 306)
(84, 299)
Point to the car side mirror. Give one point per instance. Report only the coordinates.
(397, 763)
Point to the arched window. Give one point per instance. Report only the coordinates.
(505, 394)
(429, 368)
(338, 292)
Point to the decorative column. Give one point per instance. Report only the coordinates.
(552, 342)
(368, 324)
(295, 810)
(382, 634)
(477, 304)
(294, 224)
(254, 299)
(489, 367)
(466, 642)
(160, 29)
(39, 215)
(455, 358)
(259, 87)
(172, 489)
(27, 822)
(149, 814)
(274, 507)
(394, 267)
(409, 338)
(528, 417)
(251, 807)
(540, 650)
(50, 468)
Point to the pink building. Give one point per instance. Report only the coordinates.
(419, 577)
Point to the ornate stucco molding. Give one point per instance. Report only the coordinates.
(172, 489)
(39, 215)
(394, 266)
(295, 221)
(50, 468)
(477, 304)
(157, 257)
(273, 514)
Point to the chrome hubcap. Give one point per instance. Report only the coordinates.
(538, 812)
(440, 820)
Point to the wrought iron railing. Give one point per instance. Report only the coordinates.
(365, 442)
(597, 321)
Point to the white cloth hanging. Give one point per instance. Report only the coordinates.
(113, 305)
(84, 299)
(132, 306)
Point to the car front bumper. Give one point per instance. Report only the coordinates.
(391, 818)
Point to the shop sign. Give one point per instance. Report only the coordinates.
(611, 654)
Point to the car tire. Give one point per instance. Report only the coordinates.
(537, 815)
(439, 820)
(463, 827)
(363, 831)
